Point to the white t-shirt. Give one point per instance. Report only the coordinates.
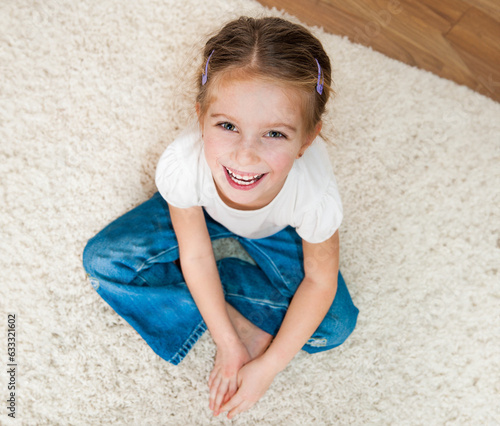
(308, 201)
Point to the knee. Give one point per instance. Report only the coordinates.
(347, 324)
(90, 257)
(333, 331)
(97, 256)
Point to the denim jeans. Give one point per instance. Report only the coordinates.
(130, 264)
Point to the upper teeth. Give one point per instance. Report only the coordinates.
(237, 176)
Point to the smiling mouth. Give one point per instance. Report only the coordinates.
(243, 180)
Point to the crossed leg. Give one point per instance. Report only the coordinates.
(255, 340)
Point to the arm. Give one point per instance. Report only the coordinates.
(202, 278)
(310, 303)
(307, 309)
(200, 272)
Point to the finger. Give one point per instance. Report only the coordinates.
(244, 406)
(221, 392)
(212, 376)
(233, 402)
(233, 387)
(237, 410)
(213, 391)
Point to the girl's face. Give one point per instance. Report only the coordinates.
(253, 131)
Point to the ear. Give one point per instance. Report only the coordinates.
(310, 139)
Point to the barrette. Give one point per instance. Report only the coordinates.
(204, 76)
(321, 77)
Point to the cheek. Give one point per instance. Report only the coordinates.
(209, 148)
(216, 148)
(281, 162)
(212, 148)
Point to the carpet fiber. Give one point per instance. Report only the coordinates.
(93, 91)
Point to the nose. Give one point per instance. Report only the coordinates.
(247, 151)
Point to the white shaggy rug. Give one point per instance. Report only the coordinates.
(90, 94)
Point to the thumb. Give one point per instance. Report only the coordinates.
(233, 402)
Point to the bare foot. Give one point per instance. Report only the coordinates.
(255, 339)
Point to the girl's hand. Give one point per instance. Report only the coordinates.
(224, 375)
(254, 379)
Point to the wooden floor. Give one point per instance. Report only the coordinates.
(455, 39)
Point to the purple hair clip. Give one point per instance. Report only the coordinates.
(321, 77)
(204, 76)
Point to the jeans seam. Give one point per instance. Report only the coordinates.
(150, 259)
(259, 301)
(188, 344)
(142, 279)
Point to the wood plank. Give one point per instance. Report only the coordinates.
(405, 23)
(487, 79)
(476, 38)
(489, 7)
(410, 30)
(450, 10)
(479, 35)
(384, 12)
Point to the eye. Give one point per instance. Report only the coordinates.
(228, 126)
(275, 134)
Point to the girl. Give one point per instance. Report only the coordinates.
(251, 167)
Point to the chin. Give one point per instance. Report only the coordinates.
(239, 199)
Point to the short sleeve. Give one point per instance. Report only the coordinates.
(177, 172)
(320, 221)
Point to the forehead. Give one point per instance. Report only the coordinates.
(263, 99)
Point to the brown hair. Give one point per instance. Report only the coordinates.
(273, 49)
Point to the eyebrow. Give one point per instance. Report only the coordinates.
(271, 125)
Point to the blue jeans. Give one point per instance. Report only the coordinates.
(130, 264)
